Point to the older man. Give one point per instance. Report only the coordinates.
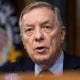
(42, 33)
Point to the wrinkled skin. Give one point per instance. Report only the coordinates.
(41, 36)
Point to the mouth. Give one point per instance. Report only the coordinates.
(40, 49)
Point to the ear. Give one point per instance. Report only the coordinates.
(63, 32)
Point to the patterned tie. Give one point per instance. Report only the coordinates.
(45, 72)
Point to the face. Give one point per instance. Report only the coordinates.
(41, 36)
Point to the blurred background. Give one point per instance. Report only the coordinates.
(10, 43)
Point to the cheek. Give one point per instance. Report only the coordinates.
(54, 42)
(28, 45)
(27, 42)
(50, 43)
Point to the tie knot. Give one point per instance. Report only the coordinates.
(45, 72)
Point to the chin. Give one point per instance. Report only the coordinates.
(41, 61)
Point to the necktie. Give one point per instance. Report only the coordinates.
(45, 72)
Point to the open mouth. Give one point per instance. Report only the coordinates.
(40, 49)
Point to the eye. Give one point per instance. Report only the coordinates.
(29, 30)
(47, 27)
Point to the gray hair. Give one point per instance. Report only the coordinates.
(41, 4)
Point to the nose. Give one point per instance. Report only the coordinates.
(38, 35)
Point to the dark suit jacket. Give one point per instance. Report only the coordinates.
(25, 65)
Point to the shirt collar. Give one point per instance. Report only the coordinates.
(56, 69)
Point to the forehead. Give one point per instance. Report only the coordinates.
(39, 12)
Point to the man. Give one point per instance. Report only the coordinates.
(42, 33)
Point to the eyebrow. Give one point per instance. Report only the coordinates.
(45, 22)
(28, 25)
(42, 23)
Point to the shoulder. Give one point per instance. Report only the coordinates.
(24, 64)
(21, 65)
(7, 67)
(71, 62)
